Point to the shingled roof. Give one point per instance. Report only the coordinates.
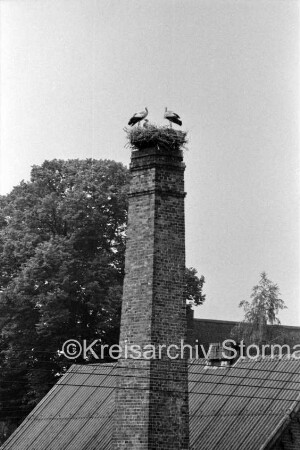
(247, 405)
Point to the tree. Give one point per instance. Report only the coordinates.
(62, 250)
(193, 287)
(262, 310)
(62, 242)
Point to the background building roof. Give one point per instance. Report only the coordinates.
(208, 331)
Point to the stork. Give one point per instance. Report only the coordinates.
(172, 117)
(146, 123)
(137, 117)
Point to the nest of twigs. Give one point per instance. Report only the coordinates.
(140, 137)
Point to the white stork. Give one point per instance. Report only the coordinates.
(137, 117)
(172, 117)
(146, 123)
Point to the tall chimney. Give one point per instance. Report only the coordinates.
(151, 410)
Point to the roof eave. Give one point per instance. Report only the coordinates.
(284, 422)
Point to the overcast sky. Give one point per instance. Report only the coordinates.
(74, 71)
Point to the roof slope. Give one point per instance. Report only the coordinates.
(238, 407)
(75, 414)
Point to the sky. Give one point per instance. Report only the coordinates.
(74, 71)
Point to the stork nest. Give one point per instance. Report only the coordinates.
(140, 137)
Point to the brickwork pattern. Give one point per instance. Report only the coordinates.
(152, 398)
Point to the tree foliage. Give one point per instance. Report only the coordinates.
(193, 288)
(62, 242)
(262, 310)
(62, 247)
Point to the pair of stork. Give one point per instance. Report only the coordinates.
(169, 115)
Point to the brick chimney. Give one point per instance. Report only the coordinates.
(151, 409)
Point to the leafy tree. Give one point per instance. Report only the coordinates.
(260, 312)
(62, 242)
(194, 287)
(62, 248)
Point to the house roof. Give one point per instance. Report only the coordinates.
(239, 407)
(75, 414)
(207, 331)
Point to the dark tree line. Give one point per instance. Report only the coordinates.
(62, 247)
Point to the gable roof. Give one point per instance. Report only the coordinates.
(75, 414)
(235, 407)
(240, 407)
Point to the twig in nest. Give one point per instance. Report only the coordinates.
(154, 136)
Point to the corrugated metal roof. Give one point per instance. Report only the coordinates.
(245, 404)
(232, 408)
